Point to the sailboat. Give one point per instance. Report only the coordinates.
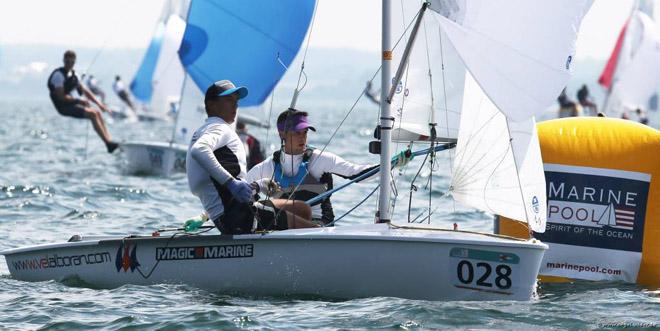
(390, 257)
(631, 76)
(203, 56)
(158, 81)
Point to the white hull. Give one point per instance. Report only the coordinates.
(341, 262)
(154, 158)
(153, 117)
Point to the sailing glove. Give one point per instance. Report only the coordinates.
(402, 158)
(266, 185)
(240, 190)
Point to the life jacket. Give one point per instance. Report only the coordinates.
(70, 83)
(308, 187)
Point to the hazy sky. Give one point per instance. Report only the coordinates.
(339, 23)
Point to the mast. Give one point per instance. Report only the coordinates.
(183, 86)
(386, 119)
(178, 111)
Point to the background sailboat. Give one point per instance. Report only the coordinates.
(204, 54)
(632, 73)
(158, 81)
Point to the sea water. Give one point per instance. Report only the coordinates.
(57, 180)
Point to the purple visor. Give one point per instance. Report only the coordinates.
(295, 123)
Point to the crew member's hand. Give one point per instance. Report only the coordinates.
(84, 102)
(402, 158)
(268, 186)
(240, 190)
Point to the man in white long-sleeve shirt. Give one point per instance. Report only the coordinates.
(216, 169)
(302, 172)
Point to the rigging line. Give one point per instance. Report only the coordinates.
(400, 110)
(444, 91)
(413, 187)
(312, 162)
(403, 99)
(371, 173)
(430, 182)
(431, 212)
(309, 38)
(351, 210)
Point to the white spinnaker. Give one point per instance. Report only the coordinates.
(519, 51)
(169, 74)
(420, 99)
(497, 165)
(637, 75)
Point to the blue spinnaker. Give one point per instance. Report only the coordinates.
(240, 40)
(141, 86)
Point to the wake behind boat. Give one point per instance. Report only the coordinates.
(341, 262)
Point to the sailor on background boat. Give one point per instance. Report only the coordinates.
(567, 107)
(642, 117)
(93, 86)
(216, 168)
(61, 83)
(253, 152)
(584, 98)
(301, 171)
(122, 93)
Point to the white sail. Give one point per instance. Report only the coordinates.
(431, 89)
(191, 113)
(637, 74)
(519, 51)
(498, 166)
(169, 74)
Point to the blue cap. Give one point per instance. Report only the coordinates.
(223, 88)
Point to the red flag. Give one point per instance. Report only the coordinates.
(608, 73)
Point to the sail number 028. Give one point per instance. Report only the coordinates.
(467, 274)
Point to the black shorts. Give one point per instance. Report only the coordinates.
(71, 110)
(270, 218)
(243, 218)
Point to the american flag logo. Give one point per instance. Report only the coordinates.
(619, 218)
(625, 219)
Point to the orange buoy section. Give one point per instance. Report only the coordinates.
(603, 186)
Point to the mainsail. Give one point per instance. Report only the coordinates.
(632, 74)
(431, 89)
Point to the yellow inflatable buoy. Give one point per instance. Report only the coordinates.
(603, 187)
